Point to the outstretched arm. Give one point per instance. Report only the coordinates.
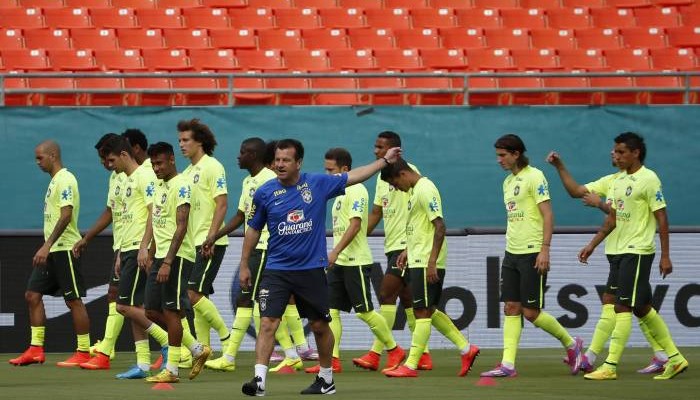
(361, 174)
(572, 187)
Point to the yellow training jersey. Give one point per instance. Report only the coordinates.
(604, 187)
(134, 197)
(115, 182)
(635, 199)
(207, 180)
(245, 203)
(353, 204)
(167, 198)
(62, 192)
(394, 212)
(521, 195)
(424, 206)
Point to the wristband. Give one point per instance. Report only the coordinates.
(386, 161)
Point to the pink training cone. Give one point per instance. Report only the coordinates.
(486, 381)
(162, 386)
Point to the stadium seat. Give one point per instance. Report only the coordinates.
(552, 39)
(415, 4)
(52, 99)
(394, 18)
(179, 4)
(371, 38)
(67, 18)
(260, 59)
(444, 59)
(72, 60)
(306, 60)
(398, 59)
(25, 59)
(315, 4)
(523, 18)
(509, 38)
(433, 18)
(657, 17)
(11, 39)
(116, 98)
(169, 18)
(140, 38)
(423, 38)
(95, 39)
(270, 3)
(582, 3)
(610, 97)
(660, 97)
(113, 17)
(432, 99)
(328, 39)
(691, 16)
(251, 18)
(569, 18)
(213, 60)
(382, 83)
(451, 3)
(342, 17)
(206, 18)
(609, 17)
(291, 99)
(628, 59)
(21, 18)
(120, 60)
(15, 99)
(462, 38)
(88, 3)
(479, 99)
(147, 99)
(571, 96)
(233, 38)
(586, 59)
(684, 36)
(322, 99)
(364, 4)
(166, 60)
(134, 3)
(186, 38)
(535, 59)
(541, 4)
(478, 18)
(489, 59)
(520, 98)
(9, 5)
(297, 18)
(598, 38)
(651, 38)
(225, 3)
(203, 83)
(279, 39)
(252, 81)
(47, 39)
(673, 59)
(349, 59)
(45, 4)
(500, 4)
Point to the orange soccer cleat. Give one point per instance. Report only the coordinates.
(33, 355)
(335, 363)
(395, 358)
(75, 360)
(368, 361)
(402, 372)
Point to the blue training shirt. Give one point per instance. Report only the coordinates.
(296, 218)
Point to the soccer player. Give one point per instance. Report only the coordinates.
(166, 296)
(54, 267)
(350, 263)
(526, 261)
(133, 200)
(209, 196)
(392, 206)
(638, 206)
(591, 194)
(293, 207)
(425, 254)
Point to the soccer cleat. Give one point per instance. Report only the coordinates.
(276, 357)
(99, 361)
(288, 366)
(133, 373)
(368, 361)
(585, 365)
(252, 388)
(468, 359)
(655, 366)
(335, 364)
(603, 373)
(395, 357)
(425, 363)
(33, 355)
(309, 355)
(320, 386)
(198, 362)
(500, 371)
(673, 368)
(574, 355)
(158, 364)
(95, 348)
(75, 360)
(220, 364)
(163, 376)
(401, 372)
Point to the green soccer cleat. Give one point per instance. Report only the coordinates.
(673, 368)
(220, 364)
(603, 373)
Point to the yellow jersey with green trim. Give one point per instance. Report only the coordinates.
(207, 180)
(636, 197)
(353, 204)
(603, 187)
(115, 182)
(132, 201)
(394, 212)
(245, 203)
(168, 196)
(521, 194)
(424, 206)
(62, 192)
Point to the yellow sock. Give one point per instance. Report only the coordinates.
(240, 325)
(377, 324)
(296, 328)
(84, 342)
(618, 340)
(38, 335)
(143, 352)
(649, 336)
(420, 336)
(411, 322)
(187, 339)
(207, 310)
(388, 312)
(337, 329)
(113, 328)
(659, 331)
(444, 325)
(174, 353)
(549, 324)
(158, 333)
(512, 328)
(603, 328)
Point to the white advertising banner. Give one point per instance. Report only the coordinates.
(470, 292)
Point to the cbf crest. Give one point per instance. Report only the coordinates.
(196, 178)
(516, 191)
(306, 196)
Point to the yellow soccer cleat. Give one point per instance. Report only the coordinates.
(288, 365)
(198, 362)
(163, 376)
(220, 364)
(602, 374)
(673, 368)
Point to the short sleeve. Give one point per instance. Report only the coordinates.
(257, 213)
(539, 187)
(333, 185)
(431, 203)
(149, 188)
(378, 193)
(218, 180)
(183, 194)
(599, 187)
(241, 200)
(67, 189)
(358, 202)
(654, 195)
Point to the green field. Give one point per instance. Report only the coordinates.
(541, 376)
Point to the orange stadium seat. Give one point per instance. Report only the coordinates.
(542, 4)
(24, 18)
(613, 82)
(406, 4)
(433, 82)
(72, 60)
(479, 99)
(306, 60)
(9, 5)
(260, 59)
(297, 18)
(315, 3)
(371, 38)
(292, 99)
(47, 39)
(462, 38)
(52, 99)
(394, 18)
(535, 59)
(120, 60)
(12, 99)
(328, 39)
(552, 39)
(364, 4)
(67, 18)
(478, 18)
(202, 82)
(684, 36)
(270, 3)
(398, 59)
(520, 98)
(586, 59)
(652, 38)
(451, 3)
(349, 59)
(571, 96)
(225, 3)
(113, 17)
(433, 18)
(25, 59)
(609, 17)
(166, 59)
(509, 38)
(179, 3)
(673, 59)
(279, 39)
(489, 59)
(598, 38)
(186, 38)
(653, 16)
(170, 18)
(628, 59)
(342, 17)
(140, 38)
(582, 3)
(691, 16)
(213, 59)
(11, 39)
(100, 99)
(252, 81)
(233, 38)
(251, 18)
(424, 38)
(495, 4)
(206, 18)
(569, 18)
(387, 82)
(148, 99)
(444, 59)
(660, 97)
(134, 3)
(335, 98)
(96, 39)
(523, 18)
(41, 3)
(88, 3)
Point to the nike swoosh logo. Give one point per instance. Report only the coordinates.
(624, 298)
(169, 302)
(613, 287)
(56, 306)
(531, 301)
(279, 202)
(328, 389)
(67, 293)
(123, 297)
(416, 301)
(191, 283)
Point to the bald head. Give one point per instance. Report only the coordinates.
(48, 156)
(49, 147)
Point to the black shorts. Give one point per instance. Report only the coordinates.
(113, 277)
(521, 282)
(425, 294)
(204, 270)
(633, 284)
(393, 269)
(170, 295)
(349, 287)
(613, 276)
(309, 287)
(256, 263)
(60, 276)
(132, 280)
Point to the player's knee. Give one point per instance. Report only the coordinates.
(511, 309)
(112, 293)
(608, 298)
(387, 297)
(244, 300)
(32, 298)
(621, 308)
(194, 296)
(641, 311)
(319, 326)
(123, 309)
(152, 315)
(531, 314)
